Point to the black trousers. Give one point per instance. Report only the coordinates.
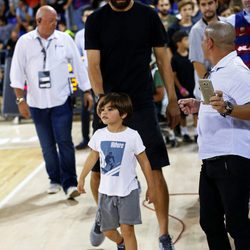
(224, 196)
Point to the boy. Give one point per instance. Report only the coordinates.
(183, 77)
(118, 147)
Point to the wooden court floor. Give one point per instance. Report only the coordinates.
(32, 220)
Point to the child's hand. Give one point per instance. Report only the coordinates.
(80, 186)
(150, 195)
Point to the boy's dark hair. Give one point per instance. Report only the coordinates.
(120, 101)
(178, 36)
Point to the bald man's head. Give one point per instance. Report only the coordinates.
(44, 10)
(222, 34)
(46, 19)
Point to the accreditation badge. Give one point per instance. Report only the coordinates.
(44, 79)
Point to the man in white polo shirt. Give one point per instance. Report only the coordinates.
(41, 60)
(224, 139)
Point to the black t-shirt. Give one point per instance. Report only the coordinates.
(185, 73)
(125, 40)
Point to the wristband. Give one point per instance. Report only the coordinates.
(183, 90)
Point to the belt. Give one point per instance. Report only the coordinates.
(216, 158)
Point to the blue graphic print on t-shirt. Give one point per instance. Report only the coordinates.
(112, 152)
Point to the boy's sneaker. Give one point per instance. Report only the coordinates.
(121, 247)
(96, 236)
(72, 192)
(53, 188)
(165, 243)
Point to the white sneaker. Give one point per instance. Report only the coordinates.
(72, 192)
(53, 188)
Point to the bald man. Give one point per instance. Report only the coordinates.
(224, 140)
(41, 60)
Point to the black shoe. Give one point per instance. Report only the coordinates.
(186, 138)
(195, 138)
(174, 143)
(82, 145)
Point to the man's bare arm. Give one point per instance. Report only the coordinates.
(94, 71)
(163, 63)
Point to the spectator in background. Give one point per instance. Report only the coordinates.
(78, 7)
(2, 8)
(201, 65)
(183, 78)
(5, 29)
(196, 16)
(163, 7)
(160, 101)
(11, 43)
(13, 4)
(2, 54)
(235, 9)
(24, 16)
(35, 4)
(224, 10)
(60, 6)
(185, 8)
(241, 22)
(85, 112)
(62, 27)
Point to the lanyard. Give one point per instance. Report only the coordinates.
(44, 51)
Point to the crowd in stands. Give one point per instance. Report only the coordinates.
(178, 17)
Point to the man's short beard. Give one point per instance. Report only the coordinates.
(120, 6)
(210, 17)
(164, 13)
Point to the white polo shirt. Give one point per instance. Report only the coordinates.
(28, 60)
(218, 135)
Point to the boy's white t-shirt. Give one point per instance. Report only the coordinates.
(117, 160)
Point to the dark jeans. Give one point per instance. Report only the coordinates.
(224, 195)
(53, 126)
(85, 118)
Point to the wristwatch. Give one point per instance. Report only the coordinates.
(19, 100)
(98, 97)
(228, 108)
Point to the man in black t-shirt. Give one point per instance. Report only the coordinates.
(119, 38)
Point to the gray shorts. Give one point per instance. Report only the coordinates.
(114, 210)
